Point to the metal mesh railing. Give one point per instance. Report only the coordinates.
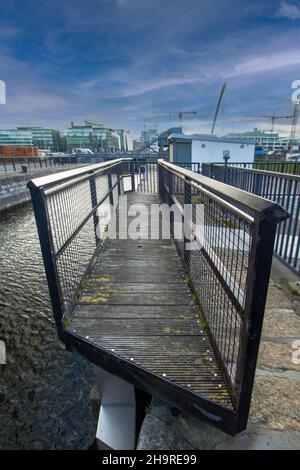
(226, 247)
(146, 175)
(220, 252)
(292, 168)
(283, 189)
(15, 164)
(73, 211)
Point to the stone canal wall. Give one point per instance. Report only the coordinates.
(13, 186)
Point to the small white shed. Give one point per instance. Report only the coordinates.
(199, 149)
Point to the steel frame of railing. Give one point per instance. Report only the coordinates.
(216, 271)
(34, 163)
(292, 168)
(282, 188)
(66, 207)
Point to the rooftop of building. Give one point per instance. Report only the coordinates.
(207, 138)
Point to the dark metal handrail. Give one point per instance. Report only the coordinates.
(282, 188)
(50, 180)
(257, 171)
(66, 209)
(229, 272)
(269, 209)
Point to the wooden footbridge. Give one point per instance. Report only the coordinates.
(159, 276)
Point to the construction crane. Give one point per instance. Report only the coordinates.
(218, 107)
(294, 125)
(294, 117)
(179, 114)
(274, 117)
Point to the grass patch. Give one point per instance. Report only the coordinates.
(67, 322)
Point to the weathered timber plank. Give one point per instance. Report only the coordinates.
(134, 311)
(135, 307)
(133, 298)
(145, 326)
(96, 285)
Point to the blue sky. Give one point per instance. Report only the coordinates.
(123, 62)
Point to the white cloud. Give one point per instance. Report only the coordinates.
(289, 10)
(265, 63)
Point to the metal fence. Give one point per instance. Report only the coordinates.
(193, 166)
(14, 164)
(228, 268)
(282, 188)
(231, 234)
(73, 211)
(280, 167)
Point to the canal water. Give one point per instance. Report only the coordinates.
(44, 390)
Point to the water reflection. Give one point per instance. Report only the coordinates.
(44, 390)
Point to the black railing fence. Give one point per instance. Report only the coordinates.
(193, 166)
(13, 164)
(72, 212)
(228, 269)
(282, 188)
(231, 234)
(292, 168)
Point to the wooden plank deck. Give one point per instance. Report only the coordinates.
(136, 306)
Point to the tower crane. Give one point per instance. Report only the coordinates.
(180, 115)
(294, 117)
(274, 117)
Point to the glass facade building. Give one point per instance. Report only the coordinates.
(268, 140)
(16, 137)
(94, 136)
(40, 137)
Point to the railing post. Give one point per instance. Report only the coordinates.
(261, 255)
(132, 169)
(226, 158)
(119, 181)
(111, 196)
(47, 247)
(93, 191)
(257, 184)
(187, 223)
(160, 182)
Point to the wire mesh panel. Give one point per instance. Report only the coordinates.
(146, 176)
(226, 247)
(292, 168)
(73, 211)
(283, 189)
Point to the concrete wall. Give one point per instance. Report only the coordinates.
(13, 187)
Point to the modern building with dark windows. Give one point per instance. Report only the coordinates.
(92, 135)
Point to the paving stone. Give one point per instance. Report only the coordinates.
(277, 356)
(276, 404)
(281, 322)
